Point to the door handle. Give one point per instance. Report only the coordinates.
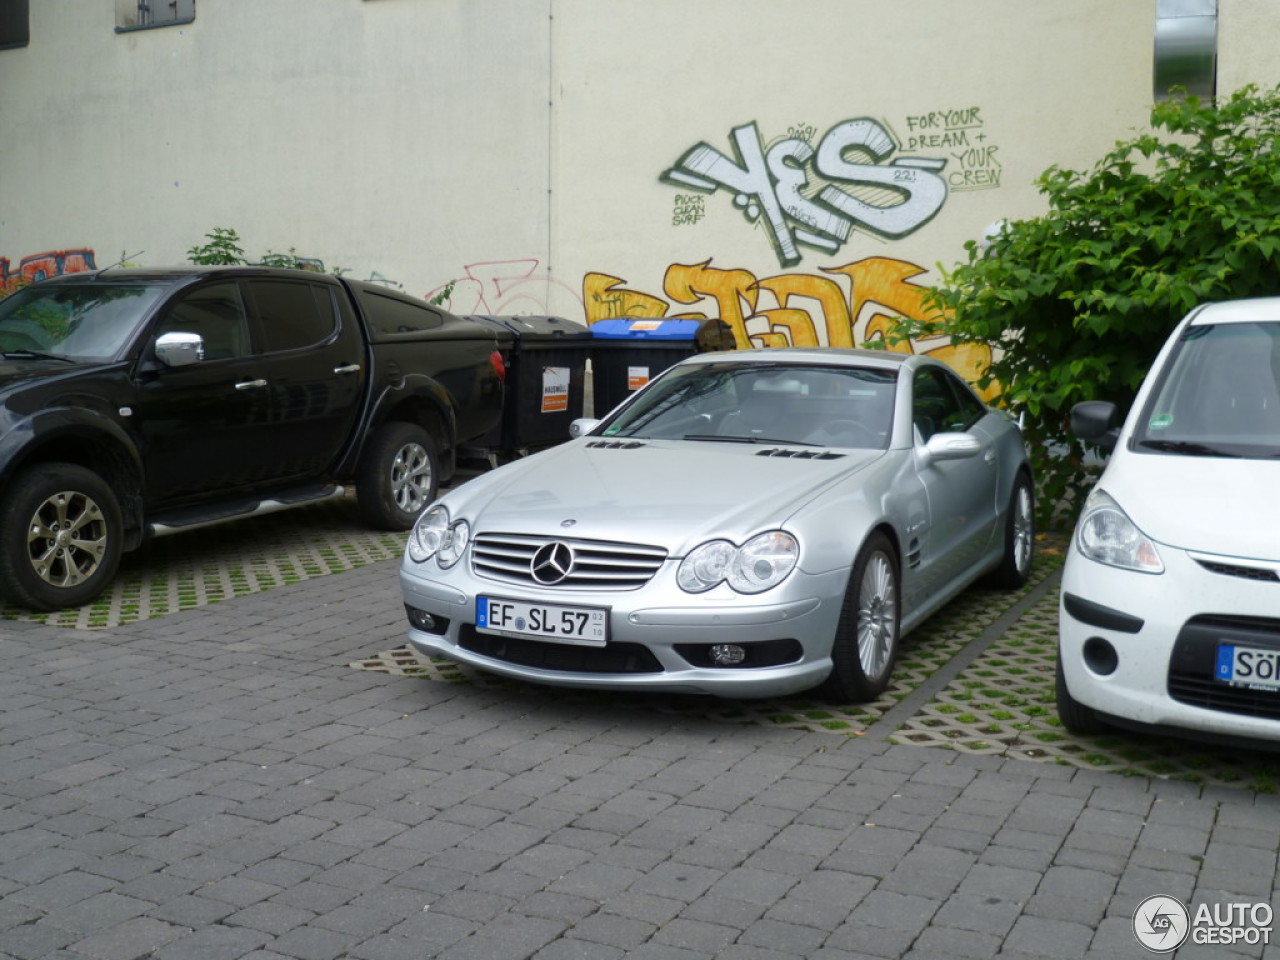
(347, 368)
(250, 384)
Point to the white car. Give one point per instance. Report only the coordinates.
(1170, 611)
(750, 524)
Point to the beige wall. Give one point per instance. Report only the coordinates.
(519, 147)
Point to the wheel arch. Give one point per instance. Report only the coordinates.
(110, 455)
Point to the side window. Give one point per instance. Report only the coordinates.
(141, 14)
(216, 312)
(971, 408)
(389, 316)
(934, 407)
(292, 314)
(15, 27)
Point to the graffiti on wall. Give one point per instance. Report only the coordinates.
(854, 304)
(41, 266)
(501, 288)
(811, 191)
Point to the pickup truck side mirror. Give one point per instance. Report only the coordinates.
(1095, 421)
(178, 349)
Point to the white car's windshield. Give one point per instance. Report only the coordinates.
(1219, 395)
(765, 403)
(89, 321)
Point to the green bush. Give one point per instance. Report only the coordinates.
(1077, 302)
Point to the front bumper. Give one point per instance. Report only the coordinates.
(657, 633)
(1142, 648)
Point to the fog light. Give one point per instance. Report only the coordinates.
(427, 623)
(727, 654)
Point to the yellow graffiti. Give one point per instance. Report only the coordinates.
(795, 309)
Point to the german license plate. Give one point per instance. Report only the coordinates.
(1251, 667)
(542, 621)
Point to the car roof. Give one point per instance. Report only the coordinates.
(1249, 310)
(176, 274)
(841, 356)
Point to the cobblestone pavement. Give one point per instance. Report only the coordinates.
(220, 783)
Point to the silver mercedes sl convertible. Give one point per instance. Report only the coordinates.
(749, 524)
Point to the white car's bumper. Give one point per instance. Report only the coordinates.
(659, 638)
(1145, 648)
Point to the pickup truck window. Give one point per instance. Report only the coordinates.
(389, 316)
(86, 321)
(292, 314)
(216, 312)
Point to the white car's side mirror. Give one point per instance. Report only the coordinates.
(581, 427)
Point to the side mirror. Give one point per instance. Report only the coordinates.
(1095, 422)
(949, 446)
(581, 427)
(179, 349)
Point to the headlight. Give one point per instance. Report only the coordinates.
(762, 562)
(434, 536)
(454, 544)
(1106, 534)
(428, 533)
(705, 566)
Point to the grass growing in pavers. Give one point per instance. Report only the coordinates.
(1003, 704)
(191, 570)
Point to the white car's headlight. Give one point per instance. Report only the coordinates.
(1106, 534)
(762, 562)
(434, 536)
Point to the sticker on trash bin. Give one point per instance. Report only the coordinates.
(646, 325)
(637, 377)
(555, 389)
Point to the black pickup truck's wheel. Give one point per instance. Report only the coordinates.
(398, 476)
(61, 536)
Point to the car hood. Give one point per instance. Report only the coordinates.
(1208, 504)
(20, 371)
(673, 494)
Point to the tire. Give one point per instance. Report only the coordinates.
(1019, 538)
(61, 537)
(1075, 716)
(398, 475)
(868, 633)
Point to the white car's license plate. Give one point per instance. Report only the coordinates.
(542, 621)
(1248, 667)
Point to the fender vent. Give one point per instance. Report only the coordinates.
(615, 444)
(800, 454)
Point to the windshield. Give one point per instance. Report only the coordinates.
(1219, 395)
(83, 321)
(825, 406)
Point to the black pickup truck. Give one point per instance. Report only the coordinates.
(135, 403)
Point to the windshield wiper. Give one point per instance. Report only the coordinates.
(1189, 447)
(32, 355)
(736, 439)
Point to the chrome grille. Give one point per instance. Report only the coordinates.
(597, 564)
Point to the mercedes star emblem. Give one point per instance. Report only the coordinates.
(552, 563)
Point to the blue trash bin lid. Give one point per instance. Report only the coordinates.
(645, 328)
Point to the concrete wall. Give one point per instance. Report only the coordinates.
(580, 157)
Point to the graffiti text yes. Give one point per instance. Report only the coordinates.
(856, 189)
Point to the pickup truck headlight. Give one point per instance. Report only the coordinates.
(434, 536)
(759, 564)
(1106, 534)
